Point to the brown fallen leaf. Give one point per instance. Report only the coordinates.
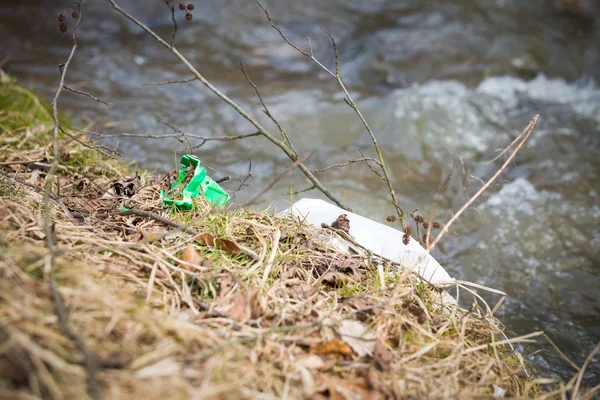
(335, 388)
(334, 347)
(209, 240)
(228, 245)
(381, 357)
(334, 279)
(379, 388)
(191, 256)
(149, 235)
(245, 305)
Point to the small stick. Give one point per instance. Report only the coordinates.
(170, 82)
(583, 367)
(70, 89)
(277, 179)
(140, 213)
(524, 136)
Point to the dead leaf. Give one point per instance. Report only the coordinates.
(310, 361)
(209, 240)
(358, 337)
(334, 347)
(191, 256)
(380, 389)
(335, 388)
(381, 357)
(245, 305)
(227, 245)
(334, 279)
(149, 235)
(415, 309)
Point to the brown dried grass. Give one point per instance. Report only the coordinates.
(277, 319)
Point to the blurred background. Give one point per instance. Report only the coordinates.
(434, 79)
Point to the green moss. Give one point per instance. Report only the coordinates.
(21, 109)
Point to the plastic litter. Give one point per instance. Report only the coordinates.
(199, 184)
(381, 239)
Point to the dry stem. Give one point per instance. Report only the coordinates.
(263, 131)
(350, 102)
(523, 138)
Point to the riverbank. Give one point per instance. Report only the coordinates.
(212, 303)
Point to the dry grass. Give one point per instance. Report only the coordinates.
(270, 311)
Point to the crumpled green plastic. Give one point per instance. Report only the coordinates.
(200, 184)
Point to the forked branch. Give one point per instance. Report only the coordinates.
(385, 176)
(518, 143)
(262, 130)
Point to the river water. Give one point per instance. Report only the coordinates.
(434, 79)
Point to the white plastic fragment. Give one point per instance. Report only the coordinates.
(498, 392)
(378, 238)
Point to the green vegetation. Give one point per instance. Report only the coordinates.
(212, 303)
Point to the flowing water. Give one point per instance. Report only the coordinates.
(434, 79)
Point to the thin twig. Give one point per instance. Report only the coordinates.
(181, 136)
(350, 102)
(439, 193)
(464, 178)
(93, 385)
(306, 189)
(264, 132)
(277, 179)
(140, 213)
(344, 164)
(70, 89)
(41, 190)
(283, 132)
(171, 82)
(106, 151)
(583, 368)
(523, 137)
(172, 8)
(204, 139)
(63, 322)
(22, 162)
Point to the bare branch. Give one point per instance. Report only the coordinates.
(104, 150)
(266, 110)
(93, 385)
(583, 367)
(172, 8)
(344, 164)
(204, 139)
(373, 170)
(307, 189)
(277, 179)
(464, 178)
(348, 99)
(335, 51)
(181, 136)
(140, 213)
(523, 138)
(439, 193)
(171, 82)
(287, 150)
(304, 53)
(87, 95)
(249, 176)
